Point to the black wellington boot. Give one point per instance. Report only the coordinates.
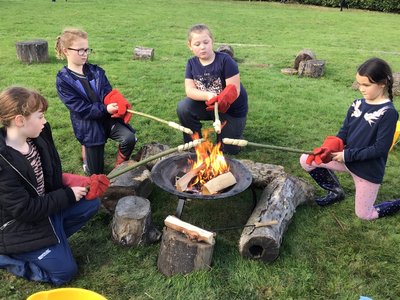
(387, 208)
(328, 181)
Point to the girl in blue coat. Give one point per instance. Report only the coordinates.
(97, 111)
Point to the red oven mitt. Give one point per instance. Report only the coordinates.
(224, 99)
(323, 154)
(69, 180)
(99, 183)
(116, 97)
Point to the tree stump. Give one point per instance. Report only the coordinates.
(312, 68)
(303, 55)
(226, 49)
(278, 202)
(178, 254)
(143, 53)
(150, 150)
(134, 182)
(132, 224)
(32, 51)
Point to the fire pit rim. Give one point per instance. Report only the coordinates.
(158, 171)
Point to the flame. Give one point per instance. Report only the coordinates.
(212, 158)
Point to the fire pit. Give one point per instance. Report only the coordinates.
(166, 171)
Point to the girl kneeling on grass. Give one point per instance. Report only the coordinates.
(40, 207)
(362, 145)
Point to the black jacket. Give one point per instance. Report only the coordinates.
(25, 224)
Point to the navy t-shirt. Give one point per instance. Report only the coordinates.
(212, 77)
(367, 133)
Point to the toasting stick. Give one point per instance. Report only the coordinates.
(217, 122)
(242, 143)
(180, 148)
(169, 123)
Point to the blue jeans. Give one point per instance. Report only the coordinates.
(54, 264)
(191, 112)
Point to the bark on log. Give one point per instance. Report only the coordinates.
(262, 174)
(134, 182)
(143, 53)
(312, 68)
(32, 51)
(303, 55)
(150, 150)
(226, 49)
(180, 255)
(132, 224)
(278, 202)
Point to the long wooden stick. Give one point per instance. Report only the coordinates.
(180, 148)
(242, 143)
(169, 123)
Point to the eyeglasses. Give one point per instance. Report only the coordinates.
(82, 51)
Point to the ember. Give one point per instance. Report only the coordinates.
(210, 163)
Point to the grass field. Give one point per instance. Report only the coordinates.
(327, 253)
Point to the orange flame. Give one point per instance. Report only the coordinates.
(212, 158)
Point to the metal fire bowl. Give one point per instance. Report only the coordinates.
(164, 175)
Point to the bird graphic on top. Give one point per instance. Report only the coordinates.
(357, 112)
(372, 117)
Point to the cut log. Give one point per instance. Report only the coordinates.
(277, 202)
(218, 183)
(178, 254)
(194, 233)
(151, 149)
(132, 224)
(289, 71)
(136, 182)
(32, 51)
(312, 68)
(143, 53)
(303, 55)
(226, 49)
(183, 182)
(262, 174)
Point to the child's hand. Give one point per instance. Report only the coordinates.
(338, 156)
(112, 108)
(79, 192)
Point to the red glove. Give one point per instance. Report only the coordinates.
(323, 154)
(116, 97)
(225, 99)
(75, 180)
(99, 183)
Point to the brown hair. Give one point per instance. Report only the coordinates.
(66, 38)
(197, 29)
(20, 101)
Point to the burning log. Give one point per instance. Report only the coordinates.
(183, 182)
(278, 201)
(132, 224)
(218, 183)
(178, 254)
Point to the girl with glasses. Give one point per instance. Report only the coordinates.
(97, 111)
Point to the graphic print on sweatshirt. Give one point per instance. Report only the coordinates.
(369, 117)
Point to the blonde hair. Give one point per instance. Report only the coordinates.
(20, 101)
(66, 38)
(198, 28)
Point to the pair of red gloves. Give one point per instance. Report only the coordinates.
(323, 154)
(97, 183)
(224, 99)
(123, 105)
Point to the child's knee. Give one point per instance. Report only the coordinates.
(303, 163)
(365, 214)
(64, 275)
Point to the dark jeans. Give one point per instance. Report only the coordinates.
(191, 113)
(54, 264)
(117, 131)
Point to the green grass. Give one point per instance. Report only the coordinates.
(319, 259)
